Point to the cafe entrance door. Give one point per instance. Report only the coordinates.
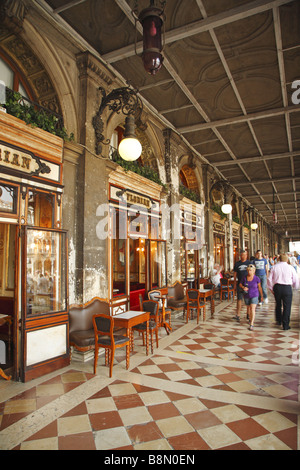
(8, 299)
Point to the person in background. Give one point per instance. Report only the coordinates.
(216, 275)
(281, 280)
(293, 261)
(262, 271)
(240, 270)
(251, 287)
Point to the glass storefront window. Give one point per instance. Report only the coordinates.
(41, 209)
(137, 258)
(119, 252)
(8, 199)
(46, 272)
(158, 271)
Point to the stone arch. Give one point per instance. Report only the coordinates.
(189, 174)
(41, 68)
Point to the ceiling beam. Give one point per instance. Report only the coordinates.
(226, 17)
(276, 156)
(239, 119)
(263, 181)
(67, 6)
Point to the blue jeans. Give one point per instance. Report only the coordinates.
(263, 282)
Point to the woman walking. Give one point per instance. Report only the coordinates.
(251, 287)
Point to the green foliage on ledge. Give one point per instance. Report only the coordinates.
(35, 117)
(144, 171)
(218, 210)
(192, 195)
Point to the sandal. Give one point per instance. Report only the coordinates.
(251, 328)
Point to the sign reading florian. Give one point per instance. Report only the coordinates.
(175, 221)
(17, 159)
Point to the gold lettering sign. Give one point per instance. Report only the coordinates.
(17, 159)
(138, 200)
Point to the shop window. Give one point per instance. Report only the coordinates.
(137, 257)
(119, 252)
(41, 209)
(11, 77)
(8, 199)
(46, 285)
(7, 260)
(158, 266)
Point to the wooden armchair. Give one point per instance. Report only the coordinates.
(105, 338)
(150, 306)
(193, 303)
(227, 288)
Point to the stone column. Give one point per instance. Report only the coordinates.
(172, 180)
(92, 187)
(208, 219)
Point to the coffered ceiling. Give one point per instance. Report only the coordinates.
(226, 86)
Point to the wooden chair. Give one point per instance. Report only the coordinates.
(154, 295)
(149, 306)
(226, 287)
(105, 338)
(193, 303)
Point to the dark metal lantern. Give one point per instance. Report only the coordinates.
(151, 19)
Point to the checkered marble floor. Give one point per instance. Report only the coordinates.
(215, 385)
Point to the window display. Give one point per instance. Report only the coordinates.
(46, 270)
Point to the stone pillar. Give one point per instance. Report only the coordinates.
(92, 187)
(208, 219)
(241, 217)
(172, 180)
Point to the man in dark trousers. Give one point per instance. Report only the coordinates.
(281, 280)
(240, 270)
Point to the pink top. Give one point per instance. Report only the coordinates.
(283, 273)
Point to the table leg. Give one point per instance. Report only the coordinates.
(166, 325)
(147, 338)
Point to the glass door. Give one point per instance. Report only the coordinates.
(157, 276)
(8, 304)
(44, 301)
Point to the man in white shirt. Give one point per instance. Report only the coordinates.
(281, 280)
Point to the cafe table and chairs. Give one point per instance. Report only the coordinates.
(206, 293)
(129, 320)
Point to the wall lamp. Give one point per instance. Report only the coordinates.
(152, 20)
(253, 225)
(127, 101)
(223, 186)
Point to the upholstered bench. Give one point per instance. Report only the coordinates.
(81, 331)
(176, 297)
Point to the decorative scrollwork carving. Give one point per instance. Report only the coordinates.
(125, 100)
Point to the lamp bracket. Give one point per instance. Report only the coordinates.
(125, 100)
(223, 186)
